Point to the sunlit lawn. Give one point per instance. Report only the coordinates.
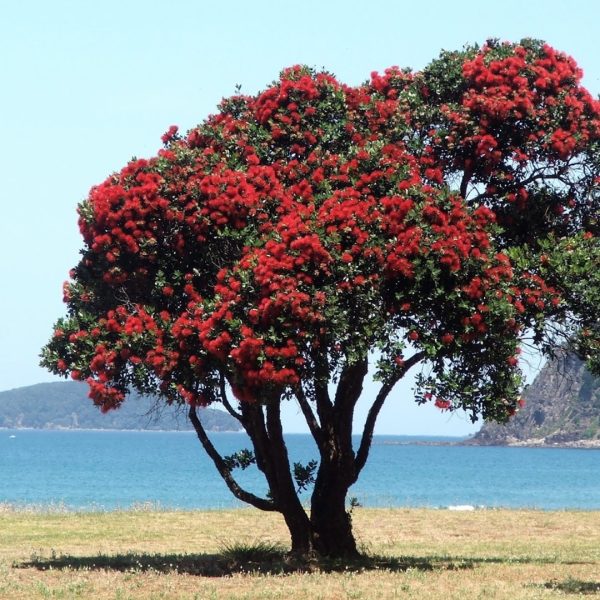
(414, 553)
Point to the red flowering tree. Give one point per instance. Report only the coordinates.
(299, 237)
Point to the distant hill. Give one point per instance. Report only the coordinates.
(65, 405)
(562, 408)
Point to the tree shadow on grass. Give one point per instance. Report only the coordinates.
(261, 558)
(574, 586)
(223, 564)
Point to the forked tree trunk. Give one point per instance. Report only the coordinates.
(330, 526)
(328, 530)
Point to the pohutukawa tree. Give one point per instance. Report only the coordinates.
(302, 236)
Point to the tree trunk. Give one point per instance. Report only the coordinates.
(329, 530)
(331, 524)
(300, 531)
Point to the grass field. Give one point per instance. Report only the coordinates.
(414, 553)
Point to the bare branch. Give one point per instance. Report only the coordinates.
(235, 489)
(309, 416)
(464, 184)
(350, 385)
(386, 388)
(254, 424)
(324, 405)
(284, 492)
(536, 174)
(225, 400)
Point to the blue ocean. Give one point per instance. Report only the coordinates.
(106, 470)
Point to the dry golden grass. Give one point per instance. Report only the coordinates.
(431, 554)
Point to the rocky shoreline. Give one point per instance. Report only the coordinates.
(507, 442)
(561, 409)
(534, 443)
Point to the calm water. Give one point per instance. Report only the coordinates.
(93, 469)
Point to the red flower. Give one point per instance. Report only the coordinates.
(447, 338)
(170, 134)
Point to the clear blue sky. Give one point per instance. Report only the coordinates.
(87, 85)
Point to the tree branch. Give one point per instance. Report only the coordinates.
(324, 405)
(285, 493)
(464, 184)
(350, 385)
(367, 436)
(254, 424)
(234, 488)
(225, 400)
(309, 416)
(536, 174)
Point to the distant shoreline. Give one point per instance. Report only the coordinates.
(412, 440)
(107, 429)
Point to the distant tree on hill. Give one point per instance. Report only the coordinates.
(438, 219)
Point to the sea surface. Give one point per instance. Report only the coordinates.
(106, 470)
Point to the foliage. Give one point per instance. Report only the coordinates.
(440, 218)
(240, 460)
(304, 475)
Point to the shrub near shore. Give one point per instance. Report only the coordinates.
(415, 553)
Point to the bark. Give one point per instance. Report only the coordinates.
(285, 493)
(330, 522)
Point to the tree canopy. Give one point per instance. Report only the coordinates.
(442, 218)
